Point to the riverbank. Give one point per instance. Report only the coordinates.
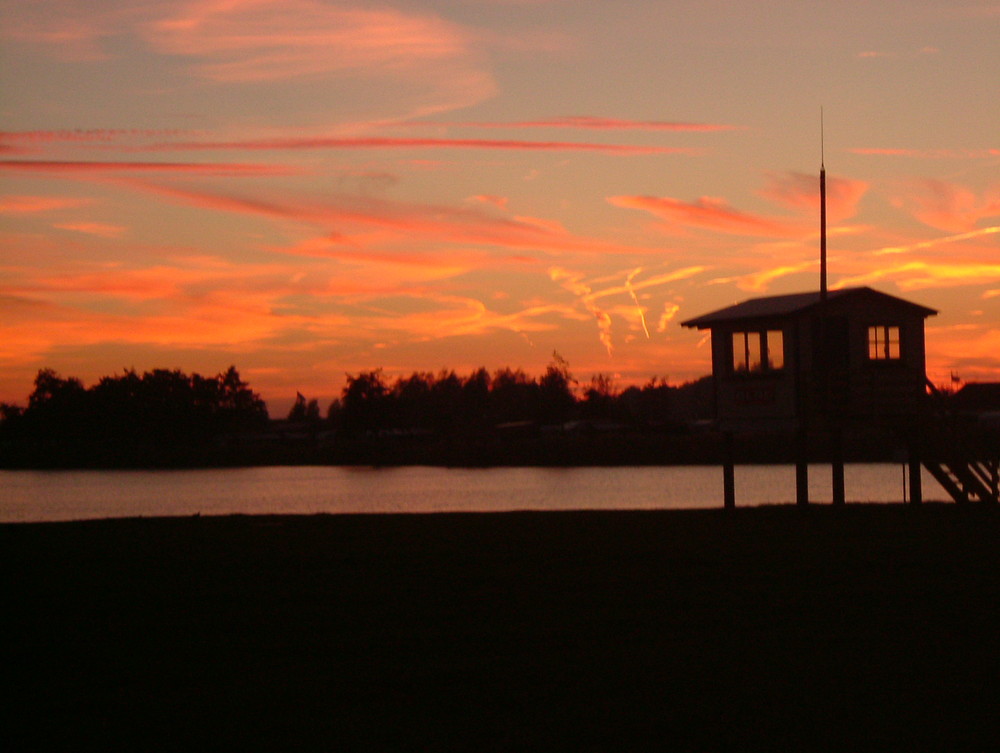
(521, 444)
(864, 628)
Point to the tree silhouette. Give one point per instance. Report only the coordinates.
(365, 403)
(304, 411)
(156, 418)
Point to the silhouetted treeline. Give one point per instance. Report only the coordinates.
(168, 418)
(161, 417)
(449, 403)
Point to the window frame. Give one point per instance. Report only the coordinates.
(884, 343)
(770, 342)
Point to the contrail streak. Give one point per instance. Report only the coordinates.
(635, 298)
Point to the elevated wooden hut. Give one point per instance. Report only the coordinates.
(793, 360)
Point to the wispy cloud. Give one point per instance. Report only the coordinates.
(710, 214)
(498, 201)
(100, 229)
(91, 135)
(589, 291)
(70, 31)
(801, 192)
(915, 275)
(759, 281)
(34, 204)
(248, 42)
(670, 310)
(926, 153)
(197, 168)
(574, 283)
(585, 122)
(275, 40)
(949, 206)
(935, 242)
(409, 222)
(375, 142)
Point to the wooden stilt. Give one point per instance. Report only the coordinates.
(916, 489)
(801, 469)
(838, 467)
(729, 471)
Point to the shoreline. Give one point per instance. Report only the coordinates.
(867, 627)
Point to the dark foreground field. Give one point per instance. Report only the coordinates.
(865, 628)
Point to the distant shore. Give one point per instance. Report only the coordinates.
(520, 444)
(870, 627)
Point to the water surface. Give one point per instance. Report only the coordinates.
(81, 495)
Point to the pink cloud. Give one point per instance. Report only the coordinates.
(70, 31)
(272, 39)
(421, 143)
(197, 168)
(89, 135)
(100, 229)
(949, 206)
(402, 222)
(497, 201)
(928, 153)
(708, 213)
(277, 40)
(587, 122)
(32, 204)
(801, 191)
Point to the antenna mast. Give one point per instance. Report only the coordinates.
(822, 212)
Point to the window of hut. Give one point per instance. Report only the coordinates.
(883, 343)
(758, 351)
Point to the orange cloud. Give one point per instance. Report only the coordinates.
(100, 229)
(406, 222)
(662, 279)
(927, 245)
(801, 191)
(32, 204)
(573, 282)
(274, 39)
(949, 206)
(708, 213)
(454, 316)
(759, 281)
(277, 40)
(929, 153)
(71, 32)
(916, 275)
(586, 122)
(373, 142)
(670, 310)
(497, 201)
(196, 168)
(90, 135)
(588, 292)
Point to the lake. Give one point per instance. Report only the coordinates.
(81, 495)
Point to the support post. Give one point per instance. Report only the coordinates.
(916, 490)
(838, 467)
(994, 466)
(729, 471)
(801, 469)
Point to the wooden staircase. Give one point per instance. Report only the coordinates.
(966, 480)
(955, 455)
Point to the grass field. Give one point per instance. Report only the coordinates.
(862, 628)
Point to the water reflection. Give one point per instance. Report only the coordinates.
(78, 495)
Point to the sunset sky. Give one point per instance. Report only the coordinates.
(308, 188)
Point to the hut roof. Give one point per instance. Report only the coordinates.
(777, 306)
